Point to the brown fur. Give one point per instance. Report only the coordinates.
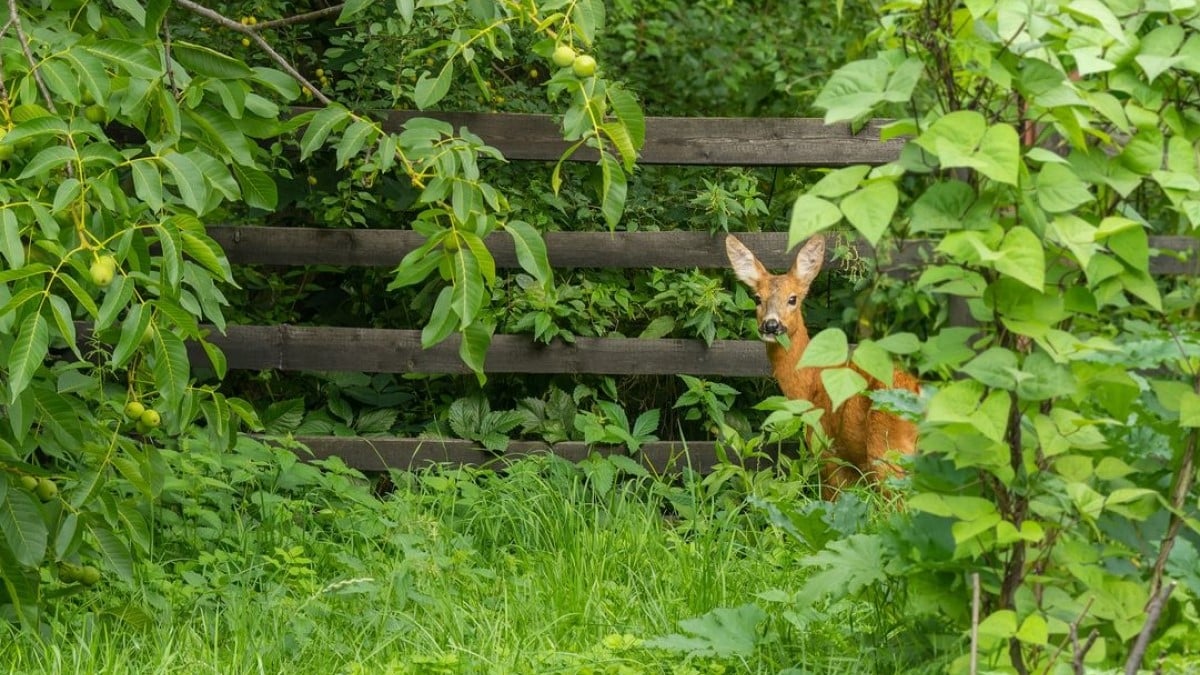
(861, 438)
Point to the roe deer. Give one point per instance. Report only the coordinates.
(861, 437)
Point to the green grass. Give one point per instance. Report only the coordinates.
(456, 572)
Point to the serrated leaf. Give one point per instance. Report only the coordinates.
(201, 60)
(848, 566)
(358, 134)
(659, 327)
(48, 160)
(147, 183)
(130, 56)
(114, 552)
(613, 190)
(827, 348)
(646, 424)
(132, 329)
(629, 114)
(258, 187)
(29, 350)
(24, 529)
(323, 123)
(531, 249)
(170, 368)
(189, 181)
(723, 633)
(206, 251)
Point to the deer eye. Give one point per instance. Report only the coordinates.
(792, 300)
(758, 299)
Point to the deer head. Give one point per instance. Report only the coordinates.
(779, 297)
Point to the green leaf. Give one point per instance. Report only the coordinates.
(1033, 630)
(171, 368)
(996, 368)
(900, 343)
(999, 154)
(132, 57)
(442, 320)
(840, 181)
(659, 327)
(189, 181)
(258, 187)
(24, 528)
(646, 424)
(531, 249)
(959, 507)
(942, 207)
(871, 208)
(827, 348)
(359, 133)
(1059, 189)
(324, 122)
(811, 215)
(850, 565)
(1023, 258)
(10, 240)
(351, 9)
(853, 90)
(476, 339)
(204, 250)
(1000, 625)
(721, 633)
(613, 190)
(875, 361)
(29, 350)
(842, 384)
(431, 90)
(201, 60)
(114, 551)
(132, 329)
(629, 114)
(147, 184)
(47, 161)
(1189, 409)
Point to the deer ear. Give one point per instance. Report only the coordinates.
(747, 268)
(809, 260)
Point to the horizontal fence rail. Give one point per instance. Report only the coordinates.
(623, 250)
(380, 350)
(707, 141)
(381, 454)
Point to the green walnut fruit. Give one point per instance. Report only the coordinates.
(151, 418)
(134, 410)
(584, 66)
(103, 270)
(29, 482)
(89, 575)
(68, 574)
(563, 56)
(46, 489)
(95, 113)
(6, 152)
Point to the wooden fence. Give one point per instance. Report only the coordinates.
(677, 141)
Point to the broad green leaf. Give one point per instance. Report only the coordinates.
(619, 136)
(842, 384)
(1033, 630)
(114, 551)
(351, 9)
(960, 507)
(613, 190)
(430, 90)
(476, 338)
(1001, 624)
(997, 368)
(442, 321)
(942, 207)
(1158, 50)
(10, 240)
(1189, 409)
(60, 309)
(1059, 189)
(133, 58)
(201, 60)
(875, 361)
(258, 187)
(326, 121)
(29, 350)
(629, 114)
(853, 90)
(870, 209)
(849, 565)
(133, 327)
(133, 8)
(840, 181)
(900, 343)
(189, 181)
(147, 183)
(723, 633)
(965, 530)
(658, 328)
(48, 160)
(811, 215)
(1022, 257)
(827, 348)
(24, 529)
(204, 250)
(170, 368)
(999, 154)
(358, 134)
(531, 249)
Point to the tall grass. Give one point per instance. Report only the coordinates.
(455, 571)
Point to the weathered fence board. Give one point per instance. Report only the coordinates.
(381, 454)
(708, 141)
(622, 250)
(378, 350)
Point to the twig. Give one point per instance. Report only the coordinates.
(1073, 636)
(1153, 611)
(251, 33)
(1183, 485)
(14, 18)
(975, 596)
(1081, 652)
(299, 18)
(166, 30)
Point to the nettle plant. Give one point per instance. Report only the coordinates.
(118, 141)
(1044, 143)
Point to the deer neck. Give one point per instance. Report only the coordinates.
(795, 383)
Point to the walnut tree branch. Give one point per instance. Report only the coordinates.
(14, 18)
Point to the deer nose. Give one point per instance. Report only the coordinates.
(771, 327)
